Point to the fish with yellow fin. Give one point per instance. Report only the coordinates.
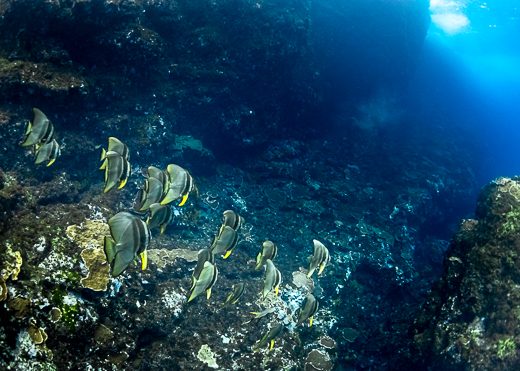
(129, 237)
(320, 258)
(269, 336)
(272, 279)
(308, 309)
(115, 163)
(39, 134)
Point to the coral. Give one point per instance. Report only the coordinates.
(98, 269)
(91, 233)
(300, 280)
(318, 360)
(37, 335)
(13, 263)
(3, 290)
(327, 342)
(206, 355)
(55, 315)
(163, 257)
(350, 334)
(182, 142)
(21, 306)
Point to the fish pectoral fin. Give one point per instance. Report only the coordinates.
(51, 162)
(227, 254)
(163, 228)
(144, 259)
(321, 269)
(310, 323)
(276, 291)
(255, 313)
(208, 293)
(272, 344)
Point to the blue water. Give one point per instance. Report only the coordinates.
(469, 78)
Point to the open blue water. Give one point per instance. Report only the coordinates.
(470, 77)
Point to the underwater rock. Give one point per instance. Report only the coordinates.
(98, 269)
(103, 335)
(471, 315)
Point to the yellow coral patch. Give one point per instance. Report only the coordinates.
(98, 267)
(13, 263)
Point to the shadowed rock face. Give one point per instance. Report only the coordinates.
(234, 74)
(471, 316)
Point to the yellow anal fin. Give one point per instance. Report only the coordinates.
(51, 162)
(310, 323)
(255, 313)
(321, 269)
(272, 344)
(184, 199)
(276, 291)
(208, 293)
(123, 183)
(227, 254)
(163, 228)
(144, 259)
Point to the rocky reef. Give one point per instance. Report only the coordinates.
(470, 318)
(237, 93)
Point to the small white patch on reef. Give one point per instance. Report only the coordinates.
(40, 246)
(174, 302)
(225, 339)
(206, 355)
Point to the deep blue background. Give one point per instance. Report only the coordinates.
(470, 79)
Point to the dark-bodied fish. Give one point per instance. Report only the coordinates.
(160, 216)
(115, 145)
(117, 169)
(272, 279)
(180, 184)
(269, 251)
(232, 219)
(129, 237)
(115, 163)
(152, 193)
(259, 315)
(47, 152)
(320, 258)
(40, 131)
(308, 309)
(158, 174)
(269, 336)
(232, 298)
(204, 255)
(206, 280)
(225, 242)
